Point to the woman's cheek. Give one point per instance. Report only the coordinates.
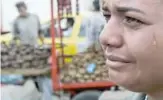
(140, 44)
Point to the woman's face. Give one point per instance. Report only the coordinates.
(133, 43)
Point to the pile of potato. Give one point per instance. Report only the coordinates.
(23, 56)
(76, 72)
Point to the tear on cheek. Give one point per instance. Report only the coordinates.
(154, 43)
(157, 43)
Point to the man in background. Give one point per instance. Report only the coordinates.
(27, 29)
(94, 25)
(27, 26)
(67, 32)
(91, 27)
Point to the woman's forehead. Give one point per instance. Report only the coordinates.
(149, 7)
(138, 3)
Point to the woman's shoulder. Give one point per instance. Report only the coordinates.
(122, 96)
(136, 96)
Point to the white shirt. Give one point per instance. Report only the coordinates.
(27, 28)
(94, 25)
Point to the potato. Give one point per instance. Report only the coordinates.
(81, 80)
(76, 70)
(26, 65)
(86, 77)
(67, 79)
(97, 72)
(97, 79)
(72, 73)
(89, 80)
(82, 70)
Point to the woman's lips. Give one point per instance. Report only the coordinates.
(118, 59)
(117, 62)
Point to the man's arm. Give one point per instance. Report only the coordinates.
(89, 32)
(40, 34)
(15, 30)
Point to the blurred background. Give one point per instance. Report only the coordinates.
(50, 51)
(9, 12)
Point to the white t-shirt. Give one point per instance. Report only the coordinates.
(94, 23)
(27, 28)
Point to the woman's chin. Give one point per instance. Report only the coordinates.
(125, 80)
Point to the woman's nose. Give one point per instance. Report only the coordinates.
(112, 35)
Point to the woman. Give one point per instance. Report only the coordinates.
(132, 41)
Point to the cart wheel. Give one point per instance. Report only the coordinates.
(87, 95)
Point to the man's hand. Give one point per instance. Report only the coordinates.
(41, 38)
(14, 40)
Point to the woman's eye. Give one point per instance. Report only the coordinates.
(107, 17)
(132, 22)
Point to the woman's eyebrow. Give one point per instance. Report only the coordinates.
(128, 9)
(124, 9)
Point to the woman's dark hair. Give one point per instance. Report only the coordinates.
(96, 5)
(21, 4)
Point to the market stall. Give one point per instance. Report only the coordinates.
(21, 63)
(85, 72)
